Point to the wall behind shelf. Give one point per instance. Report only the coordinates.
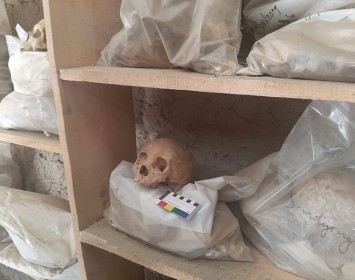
(224, 132)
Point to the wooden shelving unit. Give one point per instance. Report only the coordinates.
(97, 131)
(179, 79)
(103, 236)
(36, 140)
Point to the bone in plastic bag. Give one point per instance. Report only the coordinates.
(301, 214)
(31, 105)
(265, 16)
(202, 35)
(47, 241)
(320, 47)
(212, 233)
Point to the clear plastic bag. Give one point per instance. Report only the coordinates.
(212, 233)
(47, 241)
(301, 50)
(203, 35)
(265, 16)
(301, 208)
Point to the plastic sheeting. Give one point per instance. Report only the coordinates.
(265, 16)
(212, 233)
(9, 177)
(47, 241)
(202, 35)
(10, 257)
(301, 205)
(319, 47)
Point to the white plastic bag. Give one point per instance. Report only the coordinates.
(301, 49)
(5, 78)
(10, 257)
(47, 241)
(30, 73)
(31, 106)
(202, 35)
(266, 16)
(301, 213)
(9, 177)
(28, 112)
(212, 233)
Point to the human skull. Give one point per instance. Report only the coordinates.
(37, 40)
(164, 160)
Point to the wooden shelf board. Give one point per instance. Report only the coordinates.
(36, 140)
(104, 236)
(179, 79)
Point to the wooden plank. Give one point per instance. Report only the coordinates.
(102, 235)
(36, 140)
(96, 122)
(179, 79)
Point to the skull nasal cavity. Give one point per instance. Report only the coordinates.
(143, 170)
(160, 164)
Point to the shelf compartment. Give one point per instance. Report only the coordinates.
(36, 140)
(179, 79)
(104, 236)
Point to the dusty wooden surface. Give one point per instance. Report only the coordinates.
(104, 236)
(179, 79)
(36, 140)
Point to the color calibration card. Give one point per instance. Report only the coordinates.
(178, 204)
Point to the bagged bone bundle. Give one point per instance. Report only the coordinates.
(47, 241)
(301, 205)
(319, 47)
(201, 35)
(212, 233)
(265, 16)
(31, 105)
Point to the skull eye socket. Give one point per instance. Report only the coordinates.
(160, 164)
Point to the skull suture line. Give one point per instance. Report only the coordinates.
(164, 160)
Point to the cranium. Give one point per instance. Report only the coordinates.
(164, 160)
(37, 40)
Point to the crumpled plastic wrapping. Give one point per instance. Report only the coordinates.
(202, 35)
(10, 257)
(9, 177)
(48, 240)
(319, 47)
(266, 16)
(212, 233)
(31, 105)
(301, 205)
(5, 78)
(26, 112)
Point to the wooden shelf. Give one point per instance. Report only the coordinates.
(104, 236)
(179, 79)
(36, 140)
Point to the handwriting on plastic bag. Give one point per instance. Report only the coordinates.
(324, 227)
